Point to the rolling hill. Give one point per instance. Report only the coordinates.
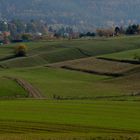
(42, 68)
(53, 102)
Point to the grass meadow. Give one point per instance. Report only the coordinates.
(65, 118)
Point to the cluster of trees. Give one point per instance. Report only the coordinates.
(22, 30)
(130, 30)
(63, 31)
(133, 29)
(88, 34)
(16, 27)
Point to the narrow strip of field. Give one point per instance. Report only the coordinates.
(130, 56)
(96, 66)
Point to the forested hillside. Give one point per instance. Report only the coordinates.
(91, 13)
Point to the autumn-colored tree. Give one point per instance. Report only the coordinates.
(105, 32)
(20, 50)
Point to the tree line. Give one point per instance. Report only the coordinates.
(133, 29)
(25, 30)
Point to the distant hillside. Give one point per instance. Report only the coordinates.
(82, 13)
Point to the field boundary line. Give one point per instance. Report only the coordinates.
(93, 72)
(119, 60)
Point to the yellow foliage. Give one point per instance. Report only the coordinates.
(21, 50)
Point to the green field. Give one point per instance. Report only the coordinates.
(86, 100)
(59, 82)
(70, 118)
(10, 89)
(75, 85)
(126, 55)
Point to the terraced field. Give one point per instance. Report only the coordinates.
(97, 66)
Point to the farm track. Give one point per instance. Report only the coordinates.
(113, 74)
(93, 72)
(31, 90)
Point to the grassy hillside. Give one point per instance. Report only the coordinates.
(56, 82)
(126, 55)
(59, 82)
(41, 53)
(65, 84)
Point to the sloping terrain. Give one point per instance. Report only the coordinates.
(131, 81)
(70, 104)
(41, 53)
(125, 55)
(56, 83)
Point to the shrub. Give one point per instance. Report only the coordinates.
(27, 37)
(21, 50)
(137, 57)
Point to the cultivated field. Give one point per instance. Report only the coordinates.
(96, 66)
(69, 119)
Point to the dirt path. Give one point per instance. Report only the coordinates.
(31, 90)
